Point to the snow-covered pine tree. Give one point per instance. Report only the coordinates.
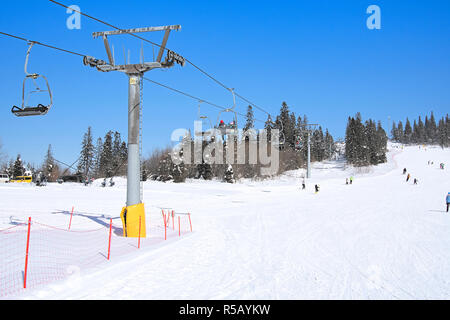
(250, 119)
(116, 152)
(49, 168)
(382, 140)
(106, 157)
(97, 156)
(229, 175)
(318, 145)
(268, 126)
(372, 143)
(421, 135)
(400, 132)
(431, 129)
(415, 132)
(394, 132)
(86, 163)
(330, 147)
(286, 126)
(18, 168)
(442, 134)
(356, 142)
(407, 135)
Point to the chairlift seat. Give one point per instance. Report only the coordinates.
(40, 110)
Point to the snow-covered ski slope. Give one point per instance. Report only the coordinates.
(380, 238)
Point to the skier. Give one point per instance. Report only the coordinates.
(346, 181)
(416, 181)
(448, 201)
(408, 177)
(404, 171)
(303, 184)
(317, 188)
(351, 180)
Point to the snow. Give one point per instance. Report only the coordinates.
(380, 238)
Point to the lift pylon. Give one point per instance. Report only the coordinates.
(134, 212)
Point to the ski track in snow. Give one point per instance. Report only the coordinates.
(381, 238)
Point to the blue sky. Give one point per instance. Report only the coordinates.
(318, 56)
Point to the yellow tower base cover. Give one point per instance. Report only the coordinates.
(130, 220)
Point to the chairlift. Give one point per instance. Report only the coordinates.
(298, 143)
(232, 127)
(282, 137)
(205, 120)
(40, 109)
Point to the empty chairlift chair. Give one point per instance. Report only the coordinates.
(40, 109)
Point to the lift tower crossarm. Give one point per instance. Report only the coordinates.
(136, 30)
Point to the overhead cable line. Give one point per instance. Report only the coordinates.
(42, 44)
(164, 48)
(193, 97)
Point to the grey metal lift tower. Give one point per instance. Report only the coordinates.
(135, 73)
(309, 129)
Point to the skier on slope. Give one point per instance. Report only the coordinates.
(448, 201)
(408, 177)
(404, 171)
(303, 184)
(317, 188)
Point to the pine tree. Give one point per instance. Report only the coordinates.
(407, 135)
(432, 129)
(50, 169)
(97, 157)
(361, 143)
(106, 158)
(86, 163)
(318, 145)
(400, 132)
(442, 137)
(372, 143)
(365, 144)
(382, 140)
(229, 174)
(268, 126)
(330, 148)
(421, 135)
(250, 119)
(18, 169)
(286, 126)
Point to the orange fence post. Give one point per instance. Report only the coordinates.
(26, 255)
(173, 220)
(179, 226)
(71, 215)
(165, 226)
(190, 222)
(109, 242)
